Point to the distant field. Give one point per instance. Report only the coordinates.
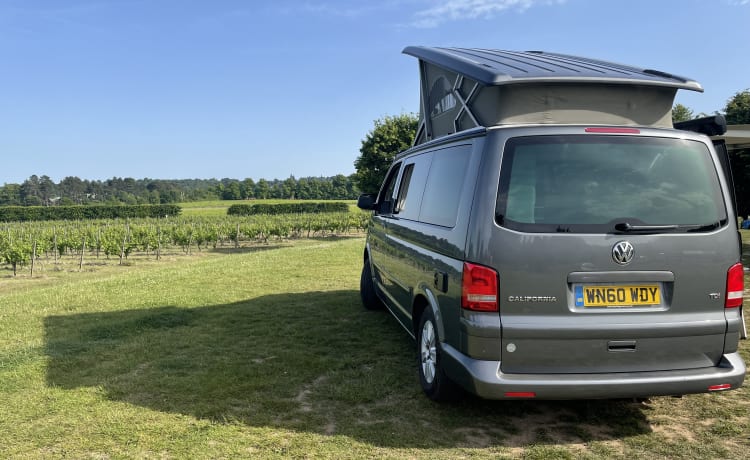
(219, 207)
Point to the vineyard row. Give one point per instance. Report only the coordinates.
(23, 243)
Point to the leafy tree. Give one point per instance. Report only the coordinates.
(737, 110)
(10, 195)
(681, 113)
(261, 189)
(391, 135)
(248, 188)
(289, 187)
(30, 191)
(73, 189)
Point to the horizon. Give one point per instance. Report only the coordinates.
(39, 176)
(129, 88)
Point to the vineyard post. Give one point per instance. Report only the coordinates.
(190, 237)
(83, 249)
(158, 246)
(54, 242)
(237, 237)
(124, 241)
(33, 256)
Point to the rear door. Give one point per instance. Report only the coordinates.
(612, 253)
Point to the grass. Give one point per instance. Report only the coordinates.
(266, 352)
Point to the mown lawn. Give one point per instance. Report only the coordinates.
(266, 353)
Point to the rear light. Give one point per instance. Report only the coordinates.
(723, 386)
(479, 288)
(613, 130)
(520, 394)
(735, 286)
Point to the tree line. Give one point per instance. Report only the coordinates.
(43, 191)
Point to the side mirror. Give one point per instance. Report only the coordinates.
(367, 201)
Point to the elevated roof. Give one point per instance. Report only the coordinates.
(498, 67)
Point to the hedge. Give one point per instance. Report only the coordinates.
(37, 213)
(287, 208)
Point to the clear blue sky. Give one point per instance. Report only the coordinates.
(175, 89)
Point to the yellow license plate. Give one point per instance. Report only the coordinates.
(642, 295)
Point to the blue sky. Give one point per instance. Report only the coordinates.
(175, 89)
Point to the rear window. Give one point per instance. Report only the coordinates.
(592, 183)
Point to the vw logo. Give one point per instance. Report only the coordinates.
(623, 252)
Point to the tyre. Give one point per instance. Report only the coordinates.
(436, 385)
(370, 299)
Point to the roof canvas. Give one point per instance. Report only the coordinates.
(465, 88)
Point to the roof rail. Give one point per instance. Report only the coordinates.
(715, 125)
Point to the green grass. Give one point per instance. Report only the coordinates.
(266, 353)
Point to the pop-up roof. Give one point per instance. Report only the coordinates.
(465, 88)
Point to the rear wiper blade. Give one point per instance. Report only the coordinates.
(627, 227)
(702, 228)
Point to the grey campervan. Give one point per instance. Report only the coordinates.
(551, 235)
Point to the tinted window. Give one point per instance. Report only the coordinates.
(591, 183)
(443, 188)
(385, 197)
(411, 186)
(403, 189)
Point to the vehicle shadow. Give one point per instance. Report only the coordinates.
(314, 362)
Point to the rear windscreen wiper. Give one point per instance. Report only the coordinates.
(701, 227)
(627, 227)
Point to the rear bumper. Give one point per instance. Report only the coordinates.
(485, 379)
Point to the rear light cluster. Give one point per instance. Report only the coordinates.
(479, 288)
(735, 286)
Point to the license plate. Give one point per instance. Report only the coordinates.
(642, 295)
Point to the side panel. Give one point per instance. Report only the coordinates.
(422, 252)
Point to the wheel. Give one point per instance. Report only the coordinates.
(370, 299)
(436, 385)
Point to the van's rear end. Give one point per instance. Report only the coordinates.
(617, 256)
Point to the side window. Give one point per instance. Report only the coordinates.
(403, 189)
(385, 197)
(445, 181)
(411, 186)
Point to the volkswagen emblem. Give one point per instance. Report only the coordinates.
(623, 252)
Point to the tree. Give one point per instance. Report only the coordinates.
(10, 195)
(391, 135)
(737, 110)
(248, 188)
(289, 187)
(681, 113)
(261, 189)
(73, 188)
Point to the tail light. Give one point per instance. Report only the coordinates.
(735, 286)
(479, 288)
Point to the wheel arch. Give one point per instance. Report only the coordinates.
(423, 300)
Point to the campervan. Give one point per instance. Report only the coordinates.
(551, 235)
